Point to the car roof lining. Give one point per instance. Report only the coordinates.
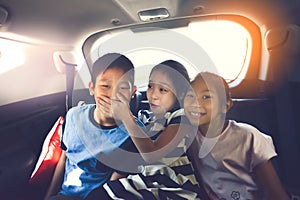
(58, 22)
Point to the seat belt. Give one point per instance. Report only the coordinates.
(70, 76)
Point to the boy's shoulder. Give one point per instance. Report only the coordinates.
(79, 110)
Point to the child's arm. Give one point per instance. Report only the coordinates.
(270, 181)
(116, 176)
(57, 178)
(150, 150)
(153, 150)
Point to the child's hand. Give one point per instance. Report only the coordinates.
(120, 107)
(104, 103)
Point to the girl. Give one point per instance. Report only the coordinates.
(168, 172)
(234, 159)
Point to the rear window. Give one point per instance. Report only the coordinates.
(218, 46)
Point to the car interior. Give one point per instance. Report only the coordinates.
(47, 49)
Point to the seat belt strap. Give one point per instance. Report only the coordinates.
(70, 76)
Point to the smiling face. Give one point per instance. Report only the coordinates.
(203, 106)
(107, 84)
(160, 93)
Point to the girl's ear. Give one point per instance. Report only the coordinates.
(227, 107)
(91, 88)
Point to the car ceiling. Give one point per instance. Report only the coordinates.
(70, 22)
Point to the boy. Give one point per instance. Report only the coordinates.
(91, 134)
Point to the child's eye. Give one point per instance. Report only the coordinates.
(124, 88)
(190, 95)
(106, 86)
(150, 86)
(163, 90)
(206, 97)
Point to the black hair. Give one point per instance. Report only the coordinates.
(178, 75)
(110, 61)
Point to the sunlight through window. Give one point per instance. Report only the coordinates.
(11, 55)
(227, 43)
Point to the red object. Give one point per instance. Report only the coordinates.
(49, 157)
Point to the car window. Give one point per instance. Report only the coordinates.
(24, 71)
(11, 55)
(219, 46)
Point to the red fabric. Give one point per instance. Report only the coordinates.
(49, 157)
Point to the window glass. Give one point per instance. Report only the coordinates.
(11, 55)
(227, 43)
(218, 46)
(27, 71)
